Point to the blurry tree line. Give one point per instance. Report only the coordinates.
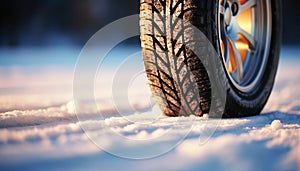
(59, 22)
(47, 22)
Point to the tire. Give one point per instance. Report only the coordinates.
(172, 68)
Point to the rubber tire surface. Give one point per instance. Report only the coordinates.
(165, 59)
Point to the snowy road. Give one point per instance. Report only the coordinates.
(39, 129)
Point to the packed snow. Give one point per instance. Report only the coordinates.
(39, 128)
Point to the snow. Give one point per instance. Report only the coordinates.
(276, 125)
(39, 129)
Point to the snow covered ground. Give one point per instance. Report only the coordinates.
(39, 129)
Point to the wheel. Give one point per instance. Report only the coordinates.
(244, 33)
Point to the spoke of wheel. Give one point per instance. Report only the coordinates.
(238, 61)
(226, 53)
(248, 4)
(248, 37)
(222, 10)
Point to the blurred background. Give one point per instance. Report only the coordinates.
(57, 22)
(72, 22)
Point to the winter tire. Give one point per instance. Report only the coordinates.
(246, 34)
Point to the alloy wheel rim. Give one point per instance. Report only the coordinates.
(245, 28)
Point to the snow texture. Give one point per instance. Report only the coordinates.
(39, 129)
